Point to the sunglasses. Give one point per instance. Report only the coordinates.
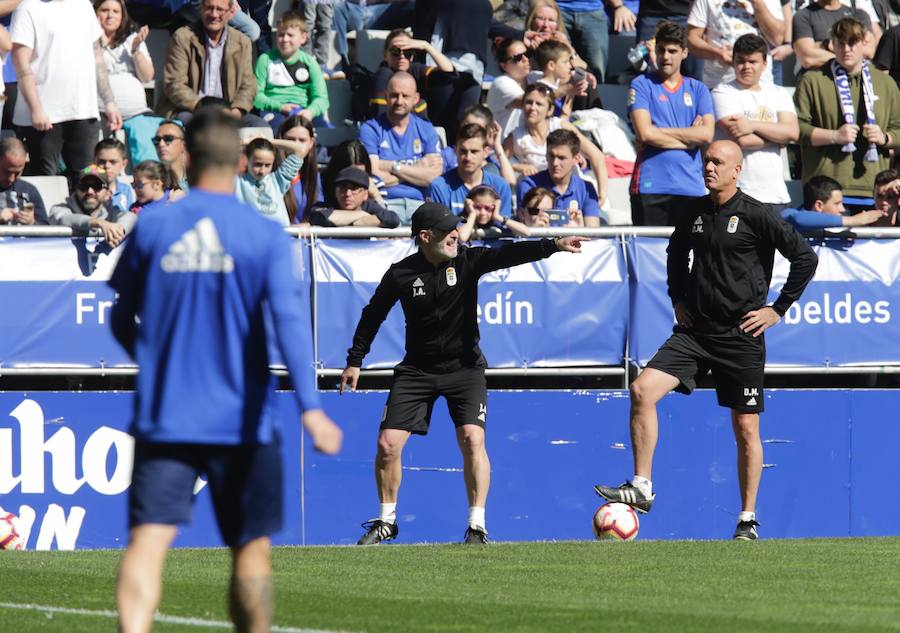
(84, 187)
(515, 58)
(483, 207)
(399, 52)
(533, 210)
(168, 139)
(137, 185)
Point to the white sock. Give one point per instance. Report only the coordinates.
(746, 516)
(476, 518)
(643, 484)
(388, 512)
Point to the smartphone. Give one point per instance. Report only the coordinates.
(578, 75)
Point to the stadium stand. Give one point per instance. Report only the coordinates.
(53, 189)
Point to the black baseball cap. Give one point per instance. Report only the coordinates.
(433, 215)
(353, 175)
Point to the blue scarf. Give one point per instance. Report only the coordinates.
(845, 99)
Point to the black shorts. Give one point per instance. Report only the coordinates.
(737, 362)
(660, 209)
(414, 391)
(245, 482)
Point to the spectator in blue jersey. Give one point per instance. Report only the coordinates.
(110, 155)
(823, 207)
(194, 285)
(496, 161)
(20, 201)
(353, 205)
(452, 188)
(405, 150)
(672, 116)
(574, 195)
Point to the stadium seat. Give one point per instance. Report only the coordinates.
(619, 211)
(617, 62)
(614, 98)
(795, 191)
(442, 134)
(53, 189)
(333, 136)
(255, 132)
(157, 43)
(370, 48)
(340, 107)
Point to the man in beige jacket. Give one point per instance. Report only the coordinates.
(210, 62)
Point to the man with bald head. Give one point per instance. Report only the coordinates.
(721, 314)
(404, 149)
(20, 201)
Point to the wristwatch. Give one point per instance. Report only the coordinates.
(395, 167)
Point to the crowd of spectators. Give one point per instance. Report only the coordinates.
(506, 150)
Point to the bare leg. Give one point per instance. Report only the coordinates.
(139, 585)
(648, 389)
(251, 599)
(476, 465)
(388, 467)
(749, 456)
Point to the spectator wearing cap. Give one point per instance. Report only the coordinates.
(483, 218)
(453, 187)
(354, 207)
(89, 208)
(20, 201)
(573, 195)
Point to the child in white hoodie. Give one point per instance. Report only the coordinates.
(260, 185)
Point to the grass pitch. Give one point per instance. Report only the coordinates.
(833, 585)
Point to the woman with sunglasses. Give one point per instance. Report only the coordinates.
(399, 54)
(505, 96)
(153, 183)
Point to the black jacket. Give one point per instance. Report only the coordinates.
(734, 252)
(440, 304)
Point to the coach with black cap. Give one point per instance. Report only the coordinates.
(438, 289)
(354, 206)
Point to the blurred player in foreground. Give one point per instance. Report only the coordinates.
(721, 314)
(197, 274)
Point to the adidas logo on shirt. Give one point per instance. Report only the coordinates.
(698, 225)
(198, 251)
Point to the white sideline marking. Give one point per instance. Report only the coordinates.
(158, 617)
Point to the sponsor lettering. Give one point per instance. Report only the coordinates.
(843, 311)
(503, 310)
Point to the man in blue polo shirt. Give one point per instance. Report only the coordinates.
(193, 281)
(672, 117)
(454, 186)
(404, 149)
(573, 195)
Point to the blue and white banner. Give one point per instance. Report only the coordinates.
(845, 316)
(561, 311)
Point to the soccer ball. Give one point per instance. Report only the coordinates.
(10, 534)
(615, 522)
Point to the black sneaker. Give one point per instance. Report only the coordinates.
(627, 494)
(475, 536)
(746, 531)
(377, 531)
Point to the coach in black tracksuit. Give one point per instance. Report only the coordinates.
(438, 289)
(721, 314)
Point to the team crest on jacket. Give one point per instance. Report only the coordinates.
(451, 276)
(732, 224)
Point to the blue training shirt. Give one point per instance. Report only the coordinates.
(669, 171)
(450, 191)
(200, 274)
(578, 190)
(379, 138)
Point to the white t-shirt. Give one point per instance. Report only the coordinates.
(62, 34)
(725, 21)
(123, 80)
(763, 174)
(504, 90)
(527, 150)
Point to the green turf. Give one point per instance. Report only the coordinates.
(833, 585)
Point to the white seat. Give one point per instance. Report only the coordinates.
(370, 48)
(442, 134)
(53, 189)
(619, 211)
(250, 133)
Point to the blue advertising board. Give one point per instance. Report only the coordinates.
(65, 463)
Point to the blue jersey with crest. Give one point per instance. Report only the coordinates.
(379, 138)
(669, 171)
